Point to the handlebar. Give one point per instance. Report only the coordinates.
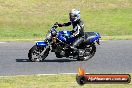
(55, 25)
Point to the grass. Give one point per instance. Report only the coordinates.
(51, 81)
(30, 19)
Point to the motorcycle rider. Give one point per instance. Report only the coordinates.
(78, 27)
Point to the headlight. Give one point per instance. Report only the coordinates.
(54, 39)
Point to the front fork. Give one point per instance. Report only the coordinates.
(42, 53)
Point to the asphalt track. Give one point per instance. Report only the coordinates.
(111, 57)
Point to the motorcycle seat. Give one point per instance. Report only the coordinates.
(89, 35)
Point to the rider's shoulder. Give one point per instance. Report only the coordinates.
(81, 22)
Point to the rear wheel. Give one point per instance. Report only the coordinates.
(89, 53)
(58, 55)
(35, 51)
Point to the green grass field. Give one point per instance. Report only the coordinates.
(51, 81)
(30, 19)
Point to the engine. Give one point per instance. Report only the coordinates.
(62, 53)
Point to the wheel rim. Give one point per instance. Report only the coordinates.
(35, 55)
(89, 53)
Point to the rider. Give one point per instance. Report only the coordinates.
(78, 27)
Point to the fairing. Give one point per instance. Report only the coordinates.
(64, 36)
(41, 43)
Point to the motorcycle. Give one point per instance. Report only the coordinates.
(60, 42)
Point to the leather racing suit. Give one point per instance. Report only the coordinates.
(78, 31)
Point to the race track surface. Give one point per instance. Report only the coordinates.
(111, 57)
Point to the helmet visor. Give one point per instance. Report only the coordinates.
(72, 17)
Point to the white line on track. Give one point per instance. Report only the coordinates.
(41, 74)
(58, 74)
(2, 42)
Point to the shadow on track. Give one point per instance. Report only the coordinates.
(59, 60)
(23, 60)
(51, 60)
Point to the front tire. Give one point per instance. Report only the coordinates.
(34, 53)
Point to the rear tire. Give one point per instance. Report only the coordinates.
(58, 55)
(88, 54)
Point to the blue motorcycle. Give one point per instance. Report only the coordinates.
(60, 42)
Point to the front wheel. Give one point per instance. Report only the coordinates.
(34, 53)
